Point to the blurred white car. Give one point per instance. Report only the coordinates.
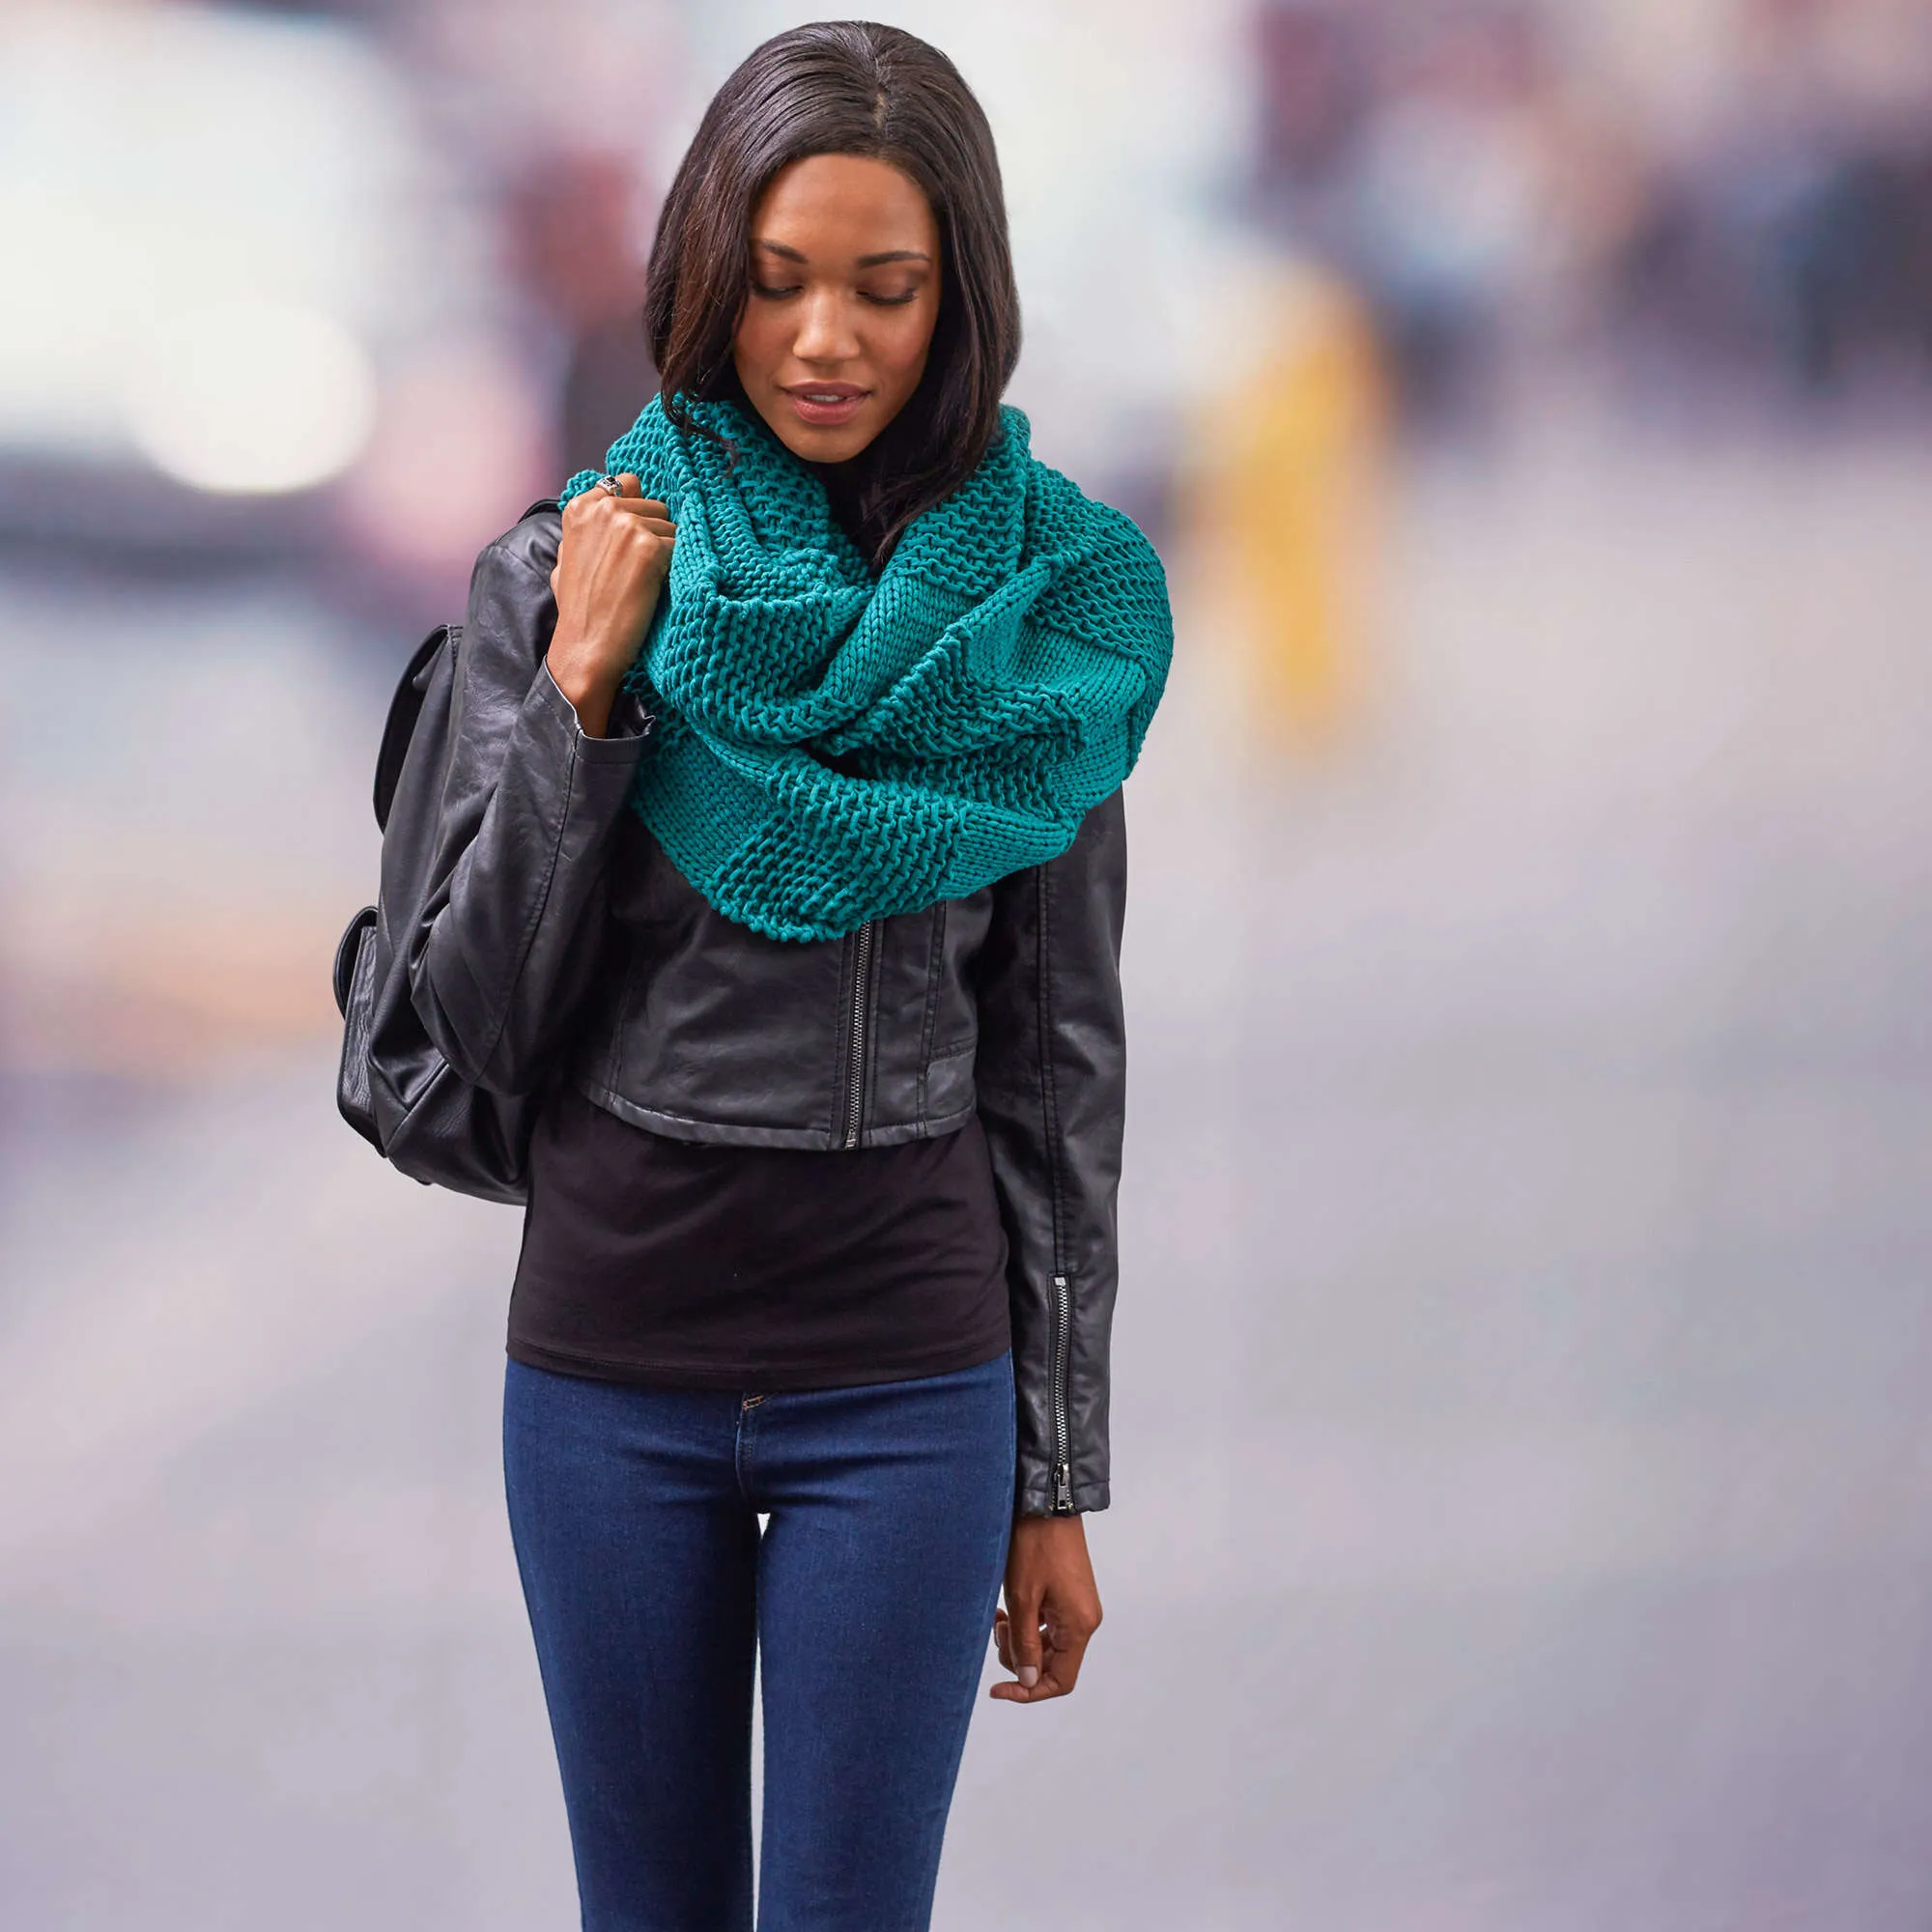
(242, 284)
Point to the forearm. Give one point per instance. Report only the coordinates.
(509, 946)
(1052, 1081)
(519, 821)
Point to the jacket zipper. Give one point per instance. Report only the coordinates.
(855, 1090)
(1063, 1346)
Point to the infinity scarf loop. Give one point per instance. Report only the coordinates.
(833, 746)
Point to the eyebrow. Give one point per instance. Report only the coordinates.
(863, 261)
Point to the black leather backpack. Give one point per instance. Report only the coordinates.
(393, 1086)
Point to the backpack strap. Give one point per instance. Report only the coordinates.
(405, 708)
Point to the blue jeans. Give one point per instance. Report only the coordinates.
(869, 1597)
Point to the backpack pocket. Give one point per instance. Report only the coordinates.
(355, 1000)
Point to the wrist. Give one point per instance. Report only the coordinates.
(581, 674)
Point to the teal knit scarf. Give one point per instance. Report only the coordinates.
(978, 695)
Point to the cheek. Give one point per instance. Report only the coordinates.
(762, 339)
(903, 351)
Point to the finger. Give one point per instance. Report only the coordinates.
(1058, 1671)
(1006, 1640)
(1020, 1651)
(1061, 1654)
(1060, 1668)
(638, 504)
(1023, 1621)
(1003, 1643)
(630, 496)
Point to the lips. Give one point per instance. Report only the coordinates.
(826, 404)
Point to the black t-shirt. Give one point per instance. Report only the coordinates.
(697, 1266)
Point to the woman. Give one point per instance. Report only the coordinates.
(782, 849)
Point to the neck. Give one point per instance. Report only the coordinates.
(842, 482)
(845, 484)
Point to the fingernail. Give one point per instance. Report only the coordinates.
(1029, 1676)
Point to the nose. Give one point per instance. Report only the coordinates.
(824, 328)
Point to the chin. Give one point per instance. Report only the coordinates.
(828, 445)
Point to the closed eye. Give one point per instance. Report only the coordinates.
(878, 301)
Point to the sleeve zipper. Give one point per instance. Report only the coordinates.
(855, 1088)
(1062, 1341)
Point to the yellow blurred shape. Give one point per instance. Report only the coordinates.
(1287, 491)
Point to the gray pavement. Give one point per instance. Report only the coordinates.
(1525, 1485)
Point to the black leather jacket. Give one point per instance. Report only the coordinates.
(557, 935)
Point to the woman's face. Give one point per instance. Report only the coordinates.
(843, 298)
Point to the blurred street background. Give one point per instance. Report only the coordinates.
(1522, 1443)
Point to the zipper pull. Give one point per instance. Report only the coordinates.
(1063, 1488)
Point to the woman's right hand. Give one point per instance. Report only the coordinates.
(611, 568)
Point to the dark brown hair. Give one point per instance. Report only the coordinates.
(846, 87)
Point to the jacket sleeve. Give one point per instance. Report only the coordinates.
(506, 941)
(1051, 1074)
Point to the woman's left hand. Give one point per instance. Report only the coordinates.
(1052, 1608)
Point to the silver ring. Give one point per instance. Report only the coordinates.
(610, 484)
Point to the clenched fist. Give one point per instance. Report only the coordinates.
(611, 568)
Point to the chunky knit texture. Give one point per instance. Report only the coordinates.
(833, 746)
